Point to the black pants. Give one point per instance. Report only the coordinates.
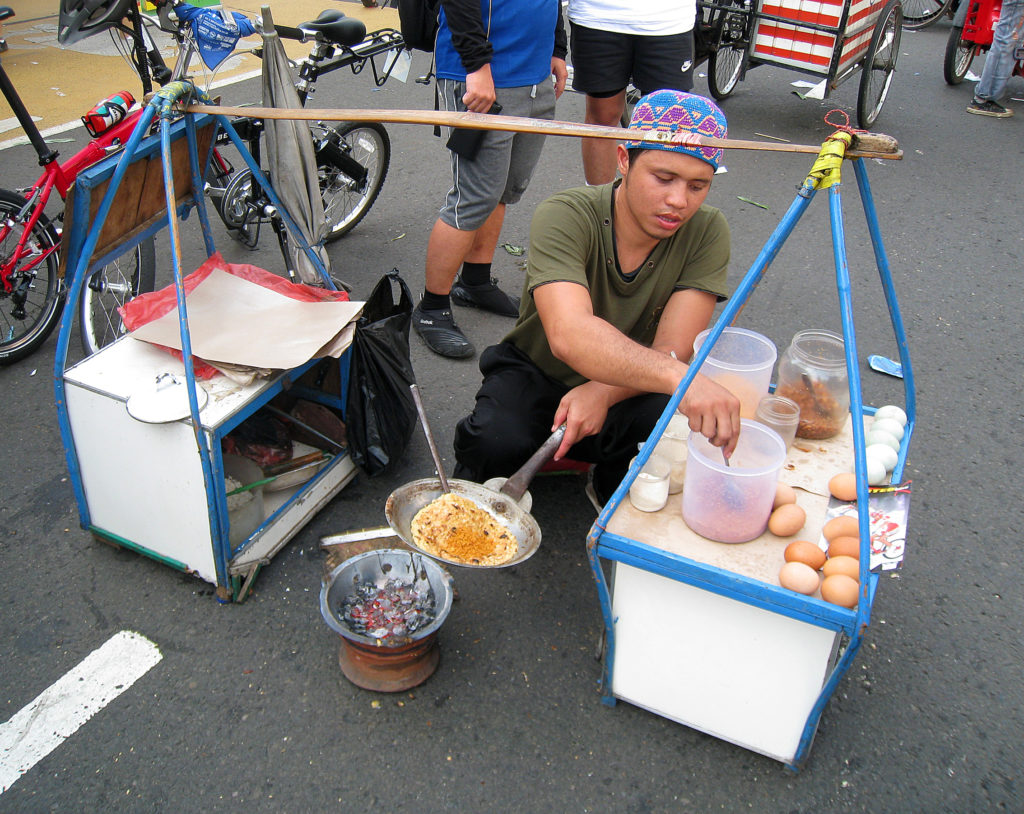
(515, 407)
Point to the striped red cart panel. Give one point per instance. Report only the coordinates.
(789, 38)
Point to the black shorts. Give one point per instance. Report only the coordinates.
(605, 62)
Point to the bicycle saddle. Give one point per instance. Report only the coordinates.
(336, 28)
(5, 12)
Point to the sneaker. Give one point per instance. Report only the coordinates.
(989, 107)
(487, 297)
(440, 333)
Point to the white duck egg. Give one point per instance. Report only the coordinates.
(884, 453)
(893, 412)
(889, 425)
(882, 437)
(876, 472)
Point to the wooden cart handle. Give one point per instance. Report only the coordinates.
(867, 145)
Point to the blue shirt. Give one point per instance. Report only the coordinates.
(522, 38)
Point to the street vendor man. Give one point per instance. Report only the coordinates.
(621, 279)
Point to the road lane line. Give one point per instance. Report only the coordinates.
(57, 712)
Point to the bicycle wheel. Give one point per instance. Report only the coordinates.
(959, 56)
(352, 161)
(918, 14)
(879, 64)
(725, 63)
(110, 287)
(32, 297)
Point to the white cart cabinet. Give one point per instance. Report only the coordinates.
(142, 484)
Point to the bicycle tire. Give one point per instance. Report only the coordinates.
(725, 63)
(110, 287)
(918, 14)
(28, 314)
(959, 56)
(879, 64)
(347, 200)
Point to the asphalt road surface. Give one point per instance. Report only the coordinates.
(247, 709)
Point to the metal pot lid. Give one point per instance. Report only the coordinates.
(163, 400)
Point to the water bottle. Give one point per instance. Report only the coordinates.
(107, 113)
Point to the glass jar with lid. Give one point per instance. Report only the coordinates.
(812, 372)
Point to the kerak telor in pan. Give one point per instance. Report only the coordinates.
(503, 506)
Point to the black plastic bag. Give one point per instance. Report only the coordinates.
(381, 413)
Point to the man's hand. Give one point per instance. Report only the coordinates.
(560, 73)
(714, 412)
(583, 410)
(480, 95)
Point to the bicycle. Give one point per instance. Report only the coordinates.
(352, 157)
(31, 279)
(353, 160)
(971, 35)
(918, 14)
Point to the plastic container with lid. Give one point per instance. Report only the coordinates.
(742, 362)
(781, 414)
(812, 372)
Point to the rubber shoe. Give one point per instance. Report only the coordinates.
(989, 108)
(487, 297)
(439, 332)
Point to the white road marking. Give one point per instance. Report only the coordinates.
(58, 711)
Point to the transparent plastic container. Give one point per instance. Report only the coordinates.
(742, 362)
(781, 414)
(731, 504)
(812, 372)
(672, 447)
(649, 491)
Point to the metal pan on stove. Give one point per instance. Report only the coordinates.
(503, 505)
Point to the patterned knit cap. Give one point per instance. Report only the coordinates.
(674, 111)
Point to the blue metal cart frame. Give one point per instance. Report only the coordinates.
(165, 108)
(604, 545)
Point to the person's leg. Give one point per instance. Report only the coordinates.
(602, 62)
(599, 163)
(485, 240)
(511, 417)
(999, 63)
(470, 204)
(475, 287)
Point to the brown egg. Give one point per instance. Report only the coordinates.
(784, 493)
(845, 525)
(796, 576)
(840, 589)
(842, 565)
(806, 552)
(845, 547)
(843, 486)
(787, 520)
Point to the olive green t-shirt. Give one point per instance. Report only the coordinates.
(571, 240)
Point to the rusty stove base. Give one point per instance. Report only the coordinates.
(389, 669)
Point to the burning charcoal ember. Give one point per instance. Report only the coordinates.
(391, 609)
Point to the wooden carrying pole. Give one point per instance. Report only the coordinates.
(865, 145)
